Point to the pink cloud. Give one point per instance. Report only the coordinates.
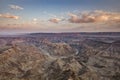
(55, 20)
(95, 16)
(7, 15)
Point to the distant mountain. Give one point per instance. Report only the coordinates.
(68, 33)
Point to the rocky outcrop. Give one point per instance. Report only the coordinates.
(69, 69)
(95, 60)
(21, 62)
(58, 49)
(105, 62)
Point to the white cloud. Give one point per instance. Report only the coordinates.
(15, 7)
(35, 21)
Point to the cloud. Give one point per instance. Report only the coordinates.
(94, 16)
(15, 7)
(35, 21)
(55, 20)
(7, 15)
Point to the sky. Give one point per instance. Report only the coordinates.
(31, 16)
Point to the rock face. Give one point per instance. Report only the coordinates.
(2, 42)
(104, 62)
(63, 69)
(69, 69)
(58, 49)
(33, 60)
(21, 62)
